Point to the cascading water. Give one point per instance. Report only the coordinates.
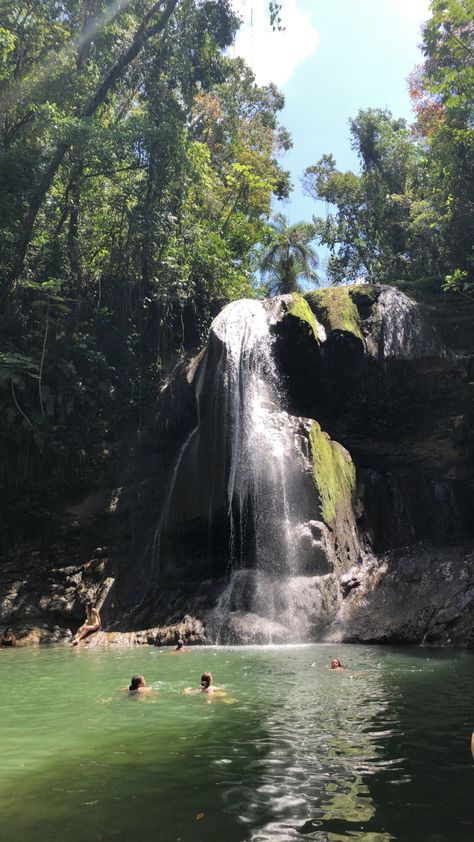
(243, 494)
(264, 465)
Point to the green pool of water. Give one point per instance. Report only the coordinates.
(294, 752)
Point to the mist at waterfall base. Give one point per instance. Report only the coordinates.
(242, 505)
(379, 752)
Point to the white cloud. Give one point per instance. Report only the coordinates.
(274, 56)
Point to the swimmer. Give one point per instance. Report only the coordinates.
(206, 687)
(181, 648)
(138, 685)
(8, 638)
(336, 665)
(91, 625)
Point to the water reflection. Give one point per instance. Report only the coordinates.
(318, 748)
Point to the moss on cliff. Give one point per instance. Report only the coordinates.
(301, 310)
(333, 471)
(336, 306)
(336, 309)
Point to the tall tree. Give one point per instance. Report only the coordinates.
(443, 94)
(83, 102)
(288, 258)
(408, 213)
(377, 228)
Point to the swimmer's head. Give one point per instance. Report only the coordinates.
(180, 643)
(136, 682)
(335, 663)
(206, 680)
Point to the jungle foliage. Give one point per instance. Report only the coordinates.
(409, 212)
(137, 167)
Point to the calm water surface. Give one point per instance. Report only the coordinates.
(293, 752)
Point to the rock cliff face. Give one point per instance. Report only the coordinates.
(309, 475)
(399, 397)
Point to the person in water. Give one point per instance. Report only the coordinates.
(206, 687)
(138, 685)
(181, 648)
(91, 624)
(8, 638)
(206, 683)
(336, 665)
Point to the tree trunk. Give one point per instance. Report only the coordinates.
(74, 253)
(87, 34)
(147, 248)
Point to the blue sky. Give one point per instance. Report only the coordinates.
(334, 58)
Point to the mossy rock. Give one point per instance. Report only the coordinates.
(333, 472)
(301, 310)
(338, 307)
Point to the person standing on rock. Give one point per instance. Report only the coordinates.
(91, 625)
(8, 638)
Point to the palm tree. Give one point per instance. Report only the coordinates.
(289, 257)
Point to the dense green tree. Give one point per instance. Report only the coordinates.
(288, 257)
(380, 226)
(443, 93)
(408, 212)
(137, 166)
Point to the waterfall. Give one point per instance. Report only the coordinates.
(264, 464)
(242, 500)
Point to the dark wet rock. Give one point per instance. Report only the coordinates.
(350, 581)
(422, 594)
(397, 328)
(48, 601)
